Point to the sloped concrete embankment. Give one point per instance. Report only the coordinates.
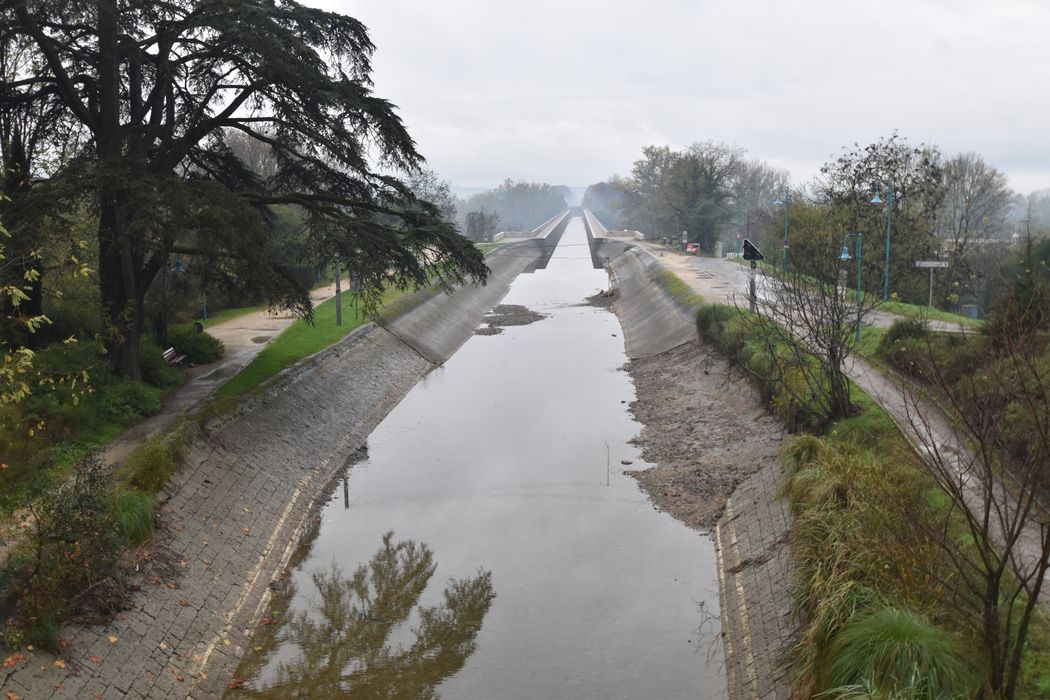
(423, 328)
(603, 248)
(240, 506)
(751, 534)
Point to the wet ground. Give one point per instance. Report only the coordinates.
(489, 545)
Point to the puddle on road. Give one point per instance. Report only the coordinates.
(491, 547)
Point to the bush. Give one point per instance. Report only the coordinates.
(899, 654)
(201, 348)
(150, 466)
(73, 547)
(133, 515)
(157, 371)
(901, 329)
(129, 401)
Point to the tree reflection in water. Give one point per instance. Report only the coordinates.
(344, 640)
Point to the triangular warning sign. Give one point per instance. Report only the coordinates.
(751, 252)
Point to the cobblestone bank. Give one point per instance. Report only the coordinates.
(754, 574)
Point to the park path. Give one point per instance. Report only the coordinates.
(921, 421)
(244, 338)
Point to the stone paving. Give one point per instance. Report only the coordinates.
(755, 575)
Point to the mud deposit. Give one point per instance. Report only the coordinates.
(507, 315)
(705, 430)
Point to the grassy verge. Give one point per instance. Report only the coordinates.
(298, 341)
(681, 292)
(898, 308)
(487, 248)
(878, 616)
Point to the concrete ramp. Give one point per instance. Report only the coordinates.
(653, 322)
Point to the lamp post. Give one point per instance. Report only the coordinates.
(858, 238)
(786, 203)
(739, 227)
(889, 222)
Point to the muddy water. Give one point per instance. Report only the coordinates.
(489, 545)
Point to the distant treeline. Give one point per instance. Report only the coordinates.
(513, 206)
(957, 209)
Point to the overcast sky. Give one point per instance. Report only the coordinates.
(569, 92)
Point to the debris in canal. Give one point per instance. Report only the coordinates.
(507, 315)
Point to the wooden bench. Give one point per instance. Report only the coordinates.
(173, 357)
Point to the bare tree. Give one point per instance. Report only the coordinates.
(808, 321)
(975, 208)
(1002, 560)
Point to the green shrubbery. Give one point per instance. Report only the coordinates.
(201, 348)
(133, 515)
(733, 332)
(73, 547)
(889, 652)
(909, 349)
(866, 568)
(154, 462)
(157, 371)
(128, 402)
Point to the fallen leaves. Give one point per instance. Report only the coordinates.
(113, 639)
(59, 663)
(16, 658)
(95, 659)
(12, 695)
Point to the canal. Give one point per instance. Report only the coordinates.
(489, 546)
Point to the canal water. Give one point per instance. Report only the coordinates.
(489, 545)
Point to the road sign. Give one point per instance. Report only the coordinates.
(685, 236)
(738, 236)
(785, 243)
(751, 252)
(931, 263)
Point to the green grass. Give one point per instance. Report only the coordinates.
(899, 308)
(298, 341)
(900, 652)
(133, 515)
(678, 289)
(487, 248)
(870, 338)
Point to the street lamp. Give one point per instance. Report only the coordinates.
(786, 203)
(739, 228)
(889, 221)
(858, 238)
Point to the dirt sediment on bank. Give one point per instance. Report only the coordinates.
(705, 430)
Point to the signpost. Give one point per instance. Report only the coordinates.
(754, 255)
(931, 265)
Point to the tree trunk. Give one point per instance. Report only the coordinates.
(122, 303)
